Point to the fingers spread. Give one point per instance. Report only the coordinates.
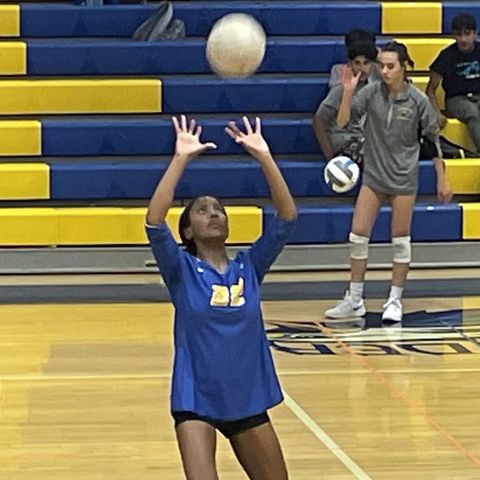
(258, 125)
(248, 127)
(175, 124)
(234, 128)
(230, 132)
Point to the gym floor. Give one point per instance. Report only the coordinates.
(84, 387)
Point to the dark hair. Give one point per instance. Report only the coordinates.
(401, 50)
(359, 35)
(464, 21)
(184, 222)
(367, 49)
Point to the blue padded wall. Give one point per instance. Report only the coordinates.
(256, 94)
(239, 178)
(278, 18)
(155, 136)
(450, 9)
(47, 20)
(331, 224)
(114, 57)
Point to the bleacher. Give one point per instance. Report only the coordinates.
(85, 132)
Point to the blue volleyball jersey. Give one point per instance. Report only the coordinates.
(223, 368)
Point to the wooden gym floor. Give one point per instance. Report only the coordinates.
(84, 392)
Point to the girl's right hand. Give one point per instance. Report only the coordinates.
(251, 139)
(188, 144)
(348, 79)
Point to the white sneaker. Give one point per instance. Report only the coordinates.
(346, 309)
(392, 310)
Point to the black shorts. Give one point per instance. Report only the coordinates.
(227, 429)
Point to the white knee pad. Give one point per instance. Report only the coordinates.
(402, 251)
(358, 246)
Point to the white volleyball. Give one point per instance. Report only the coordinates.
(236, 46)
(341, 174)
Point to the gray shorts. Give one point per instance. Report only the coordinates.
(378, 186)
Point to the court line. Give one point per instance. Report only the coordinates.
(404, 398)
(463, 334)
(365, 372)
(161, 376)
(325, 438)
(44, 377)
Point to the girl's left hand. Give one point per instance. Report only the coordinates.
(251, 140)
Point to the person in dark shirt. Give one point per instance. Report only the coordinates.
(457, 69)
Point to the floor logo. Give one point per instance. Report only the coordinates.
(421, 333)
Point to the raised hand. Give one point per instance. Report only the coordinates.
(188, 142)
(251, 140)
(348, 79)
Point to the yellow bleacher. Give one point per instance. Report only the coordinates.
(464, 175)
(411, 17)
(20, 138)
(471, 220)
(104, 225)
(9, 20)
(25, 97)
(424, 50)
(421, 21)
(24, 181)
(14, 58)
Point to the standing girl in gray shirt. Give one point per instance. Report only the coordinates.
(396, 112)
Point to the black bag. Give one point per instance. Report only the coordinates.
(160, 25)
(449, 149)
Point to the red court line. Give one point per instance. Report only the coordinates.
(405, 399)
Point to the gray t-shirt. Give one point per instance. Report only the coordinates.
(392, 132)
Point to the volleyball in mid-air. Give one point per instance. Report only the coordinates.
(236, 46)
(341, 174)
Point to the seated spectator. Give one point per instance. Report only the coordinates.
(354, 36)
(457, 68)
(349, 140)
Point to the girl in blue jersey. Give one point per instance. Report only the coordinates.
(223, 375)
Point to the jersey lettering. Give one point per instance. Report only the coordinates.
(223, 296)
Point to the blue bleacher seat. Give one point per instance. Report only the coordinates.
(155, 136)
(278, 18)
(331, 224)
(128, 57)
(450, 9)
(238, 177)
